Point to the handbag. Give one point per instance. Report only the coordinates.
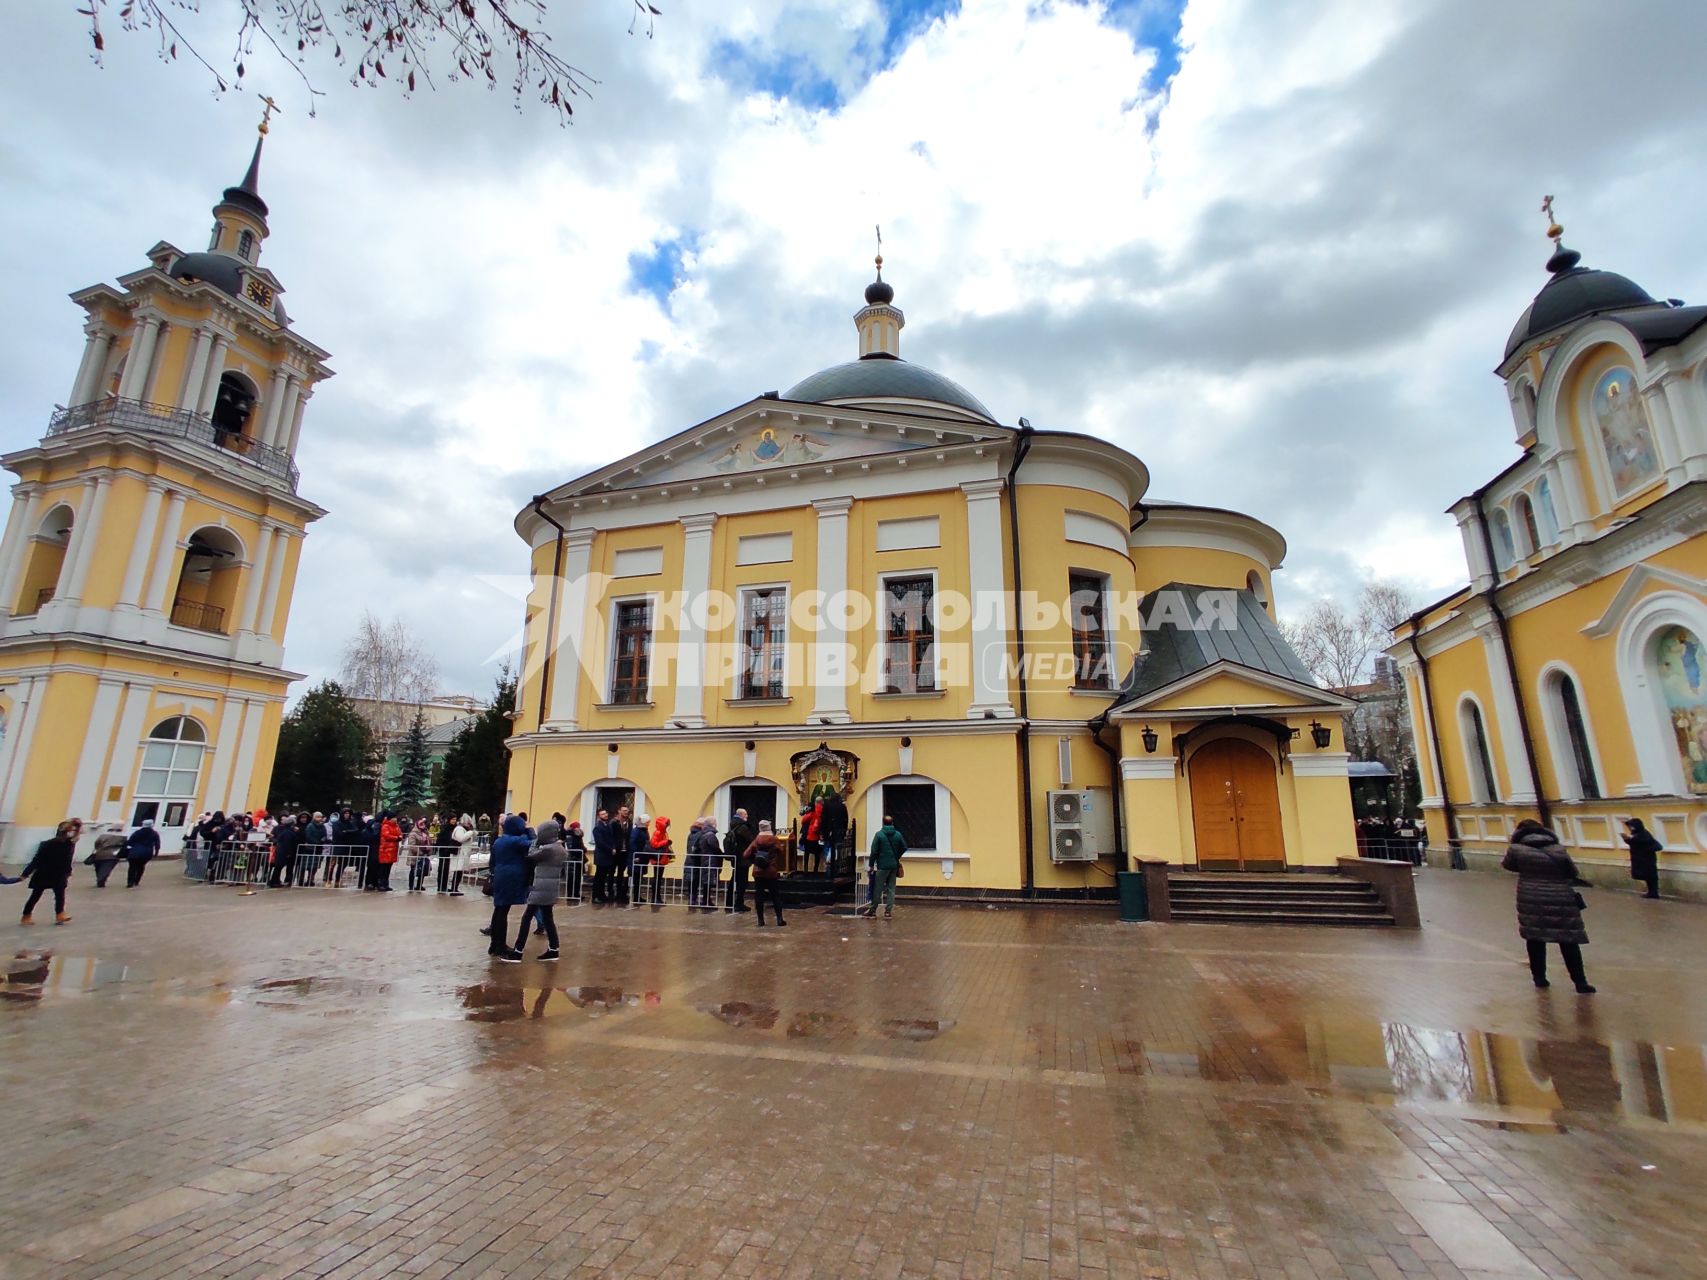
(900, 870)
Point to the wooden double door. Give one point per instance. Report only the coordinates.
(1235, 808)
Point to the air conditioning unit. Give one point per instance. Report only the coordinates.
(1081, 828)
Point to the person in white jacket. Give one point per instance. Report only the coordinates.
(451, 868)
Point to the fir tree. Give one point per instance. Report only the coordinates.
(477, 766)
(414, 770)
(325, 752)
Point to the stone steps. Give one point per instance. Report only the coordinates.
(1245, 898)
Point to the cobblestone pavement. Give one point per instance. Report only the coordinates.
(309, 1083)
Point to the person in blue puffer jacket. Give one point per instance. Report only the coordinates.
(509, 879)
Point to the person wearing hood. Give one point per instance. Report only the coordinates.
(735, 844)
(575, 869)
(508, 879)
(109, 848)
(389, 844)
(418, 849)
(287, 838)
(633, 871)
(465, 834)
(1645, 853)
(1549, 908)
(548, 857)
(659, 853)
(141, 847)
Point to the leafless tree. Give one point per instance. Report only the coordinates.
(388, 674)
(484, 41)
(1338, 643)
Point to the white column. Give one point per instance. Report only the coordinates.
(15, 549)
(189, 395)
(156, 358)
(831, 669)
(238, 794)
(84, 534)
(989, 599)
(215, 367)
(275, 575)
(1571, 486)
(141, 356)
(301, 403)
(124, 757)
(274, 406)
(224, 753)
(165, 553)
(26, 708)
(1522, 789)
(1665, 433)
(1685, 418)
(252, 583)
(690, 635)
(131, 590)
(566, 662)
(89, 370)
(85, 795)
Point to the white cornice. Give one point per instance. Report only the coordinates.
(1313, 700)
(768, 733)
(58, 642)
(1212, 527)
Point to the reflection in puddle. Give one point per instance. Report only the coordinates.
(821, 1026)
(915, 1028)
(738, 1013)
(500, 1002)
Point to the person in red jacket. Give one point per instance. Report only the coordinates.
(390, 840)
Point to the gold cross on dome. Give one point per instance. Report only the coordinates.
(880, 251)
(1554, 230)
(273, 106)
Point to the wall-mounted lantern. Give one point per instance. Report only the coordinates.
(1320, 734)
(1150, 740)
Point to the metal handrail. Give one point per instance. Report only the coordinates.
(167, 420)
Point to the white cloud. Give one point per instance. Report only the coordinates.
(1283, 285)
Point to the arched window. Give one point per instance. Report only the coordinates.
(1568, 731)
(46, 560)
(1678, 667)
(1616, 408)
(207, 584)
(1505, 554)
(171, 760)
(1524, 510)
(1544, 511)
(246, 246)
(234, 405)
(1478, 762)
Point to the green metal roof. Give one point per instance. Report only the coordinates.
(1189, 627)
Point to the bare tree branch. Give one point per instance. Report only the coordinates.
(483, 40)
(388, 674)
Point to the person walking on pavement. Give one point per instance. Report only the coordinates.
(49, 870)
(508, 877)
(109, 848)
(763, 855)
(887, 847)
(548, 857)
(1549, 908)
(287, 838)
(1645, 853)
(735, 844)
(141, 847)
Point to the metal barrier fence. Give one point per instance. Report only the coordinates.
(700, 883)
(1392, 849)
(332, 866)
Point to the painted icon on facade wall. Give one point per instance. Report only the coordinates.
(1679, 659)
(1624, 432)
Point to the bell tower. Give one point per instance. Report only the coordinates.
(149, 557)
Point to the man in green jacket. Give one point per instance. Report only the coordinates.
(887, 846)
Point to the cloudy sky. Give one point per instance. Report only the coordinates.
(1273, 248)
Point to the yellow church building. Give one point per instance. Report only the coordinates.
(148, 561)
(1567, 681)
(992, 633)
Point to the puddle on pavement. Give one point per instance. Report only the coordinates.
(915, 1028)
(822, 1026)
(501, 1002)
(738, 1013)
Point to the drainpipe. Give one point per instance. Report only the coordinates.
(1023, 447)
(551, 611)
(1491, 595)
(1098, 725)
(1435, 762)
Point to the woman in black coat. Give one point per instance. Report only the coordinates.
(50, 870)
(1644, 855)
(1548, 906)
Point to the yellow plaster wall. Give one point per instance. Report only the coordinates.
(1209, 566)
(1092, 770)
(1227, 690)
(665, 629)
(723, 644)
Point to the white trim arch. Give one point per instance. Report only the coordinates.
(944, 812)
(586, 804)
(1565, 774)
(1562, 366)
(1480, 773)
(1644, 705)
(719, 798)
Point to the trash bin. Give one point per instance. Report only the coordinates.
(1134, 899)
